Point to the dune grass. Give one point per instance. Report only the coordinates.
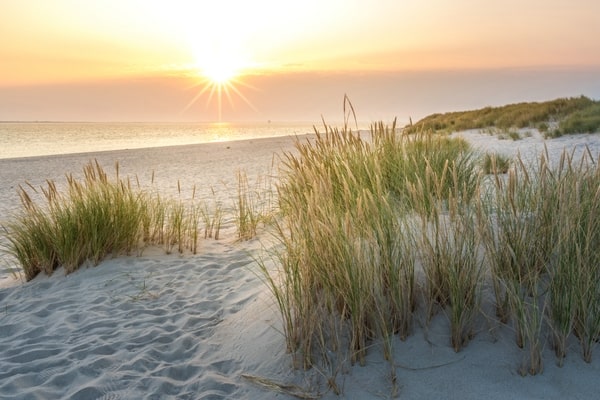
(578, 267)
(253, 205)
(95, 217)
(585, 120)
(449, 248)
(98, 216)
(521, 239)
(538, 231)
(212, 217)
(572, 115)
(437, 164)
(348, 238)
(90, 218)
(359, 215)
(495, 164)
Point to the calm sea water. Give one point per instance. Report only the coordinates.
(37, 139)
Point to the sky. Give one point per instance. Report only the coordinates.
(176, 60)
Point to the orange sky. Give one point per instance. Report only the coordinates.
(140, 48)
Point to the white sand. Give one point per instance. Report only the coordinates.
(190, 327)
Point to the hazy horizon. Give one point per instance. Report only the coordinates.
(236, 61)
(375, 97)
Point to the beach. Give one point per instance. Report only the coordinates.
(175, 171)
(205, 326)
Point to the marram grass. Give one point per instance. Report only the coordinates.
(449, 245)
(252, 205)
(539, 230)
(358, 215)
(348, 240)
(97, 216)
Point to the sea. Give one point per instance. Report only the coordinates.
(28, 139)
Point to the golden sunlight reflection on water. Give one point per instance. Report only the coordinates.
(39, 139)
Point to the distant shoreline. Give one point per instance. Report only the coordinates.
(18, 140)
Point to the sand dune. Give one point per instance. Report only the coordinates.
(131, 328)
(204, 326)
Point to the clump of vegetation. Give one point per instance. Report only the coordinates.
(585, 120)
(449, 247)
(94, 218)
(99, 216)
(495, 164)
(538, 229)
(212, 218)
(411, 160)
(346, 274)
(574, 115)
(514, 135)
(358, 216)
(252, 206)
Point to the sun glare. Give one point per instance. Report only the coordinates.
(220, 76)
(220, 59)
(219, 69)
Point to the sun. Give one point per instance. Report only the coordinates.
(219, 69)
(219, 61)
(219, 75)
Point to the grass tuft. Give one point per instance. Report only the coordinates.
(94, 217)
(344, 272)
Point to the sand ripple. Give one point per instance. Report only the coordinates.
(129, 329)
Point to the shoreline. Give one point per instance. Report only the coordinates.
(199, 167)
(43, 139)
(125, 151)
